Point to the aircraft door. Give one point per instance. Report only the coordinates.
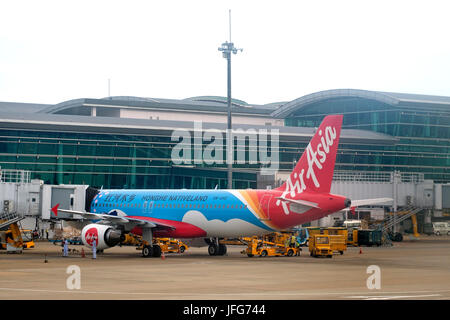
(148, 208)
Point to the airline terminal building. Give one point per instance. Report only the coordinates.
(127, 142)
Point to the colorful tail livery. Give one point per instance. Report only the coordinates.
(314, 170)
(208, 215)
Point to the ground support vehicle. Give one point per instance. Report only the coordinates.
(166, 245)
(11, 239)
(263, 248)
(319, 245)
(169, 245)
(338, 237)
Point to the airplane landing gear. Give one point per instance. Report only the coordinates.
(147, 251)
(217, 250)
(151, 251)
(156, 251)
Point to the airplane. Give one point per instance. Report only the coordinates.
(205, 216)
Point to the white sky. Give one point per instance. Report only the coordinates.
(52, 51)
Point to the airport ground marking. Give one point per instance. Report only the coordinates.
(270, 293)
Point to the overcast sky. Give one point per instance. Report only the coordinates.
(52, 51)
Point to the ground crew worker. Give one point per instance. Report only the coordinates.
(293, 241)
(66, 247)
(94, 249)
(297, 245)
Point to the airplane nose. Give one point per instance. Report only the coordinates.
(347, 203)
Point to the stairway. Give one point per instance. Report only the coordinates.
(7, 219)
(390, 222)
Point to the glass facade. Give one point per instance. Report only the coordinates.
(111, 161)
(144, 160)
(423, 131)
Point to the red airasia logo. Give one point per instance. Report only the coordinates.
(91, 235)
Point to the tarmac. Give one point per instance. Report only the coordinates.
(412, 269)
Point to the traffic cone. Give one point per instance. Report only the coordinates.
(162, 255)
(360, 250)
(82, 253)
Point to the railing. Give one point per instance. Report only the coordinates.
(362, 176)
(15, 176)
(377, 176)
(412, 177)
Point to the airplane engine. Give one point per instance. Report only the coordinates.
(105, 236)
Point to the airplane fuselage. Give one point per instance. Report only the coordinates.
(216, 213)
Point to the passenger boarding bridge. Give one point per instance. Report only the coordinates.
(408, 190)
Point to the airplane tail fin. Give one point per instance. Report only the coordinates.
(314, 170)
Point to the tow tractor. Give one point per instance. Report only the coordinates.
(167, 245)
(275, 244)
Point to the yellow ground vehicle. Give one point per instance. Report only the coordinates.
(352, 238)
(263, 248)
(11, 239)
(169, 245)
(319, 245)
(338, 237)
(27, 239)
(132, 240)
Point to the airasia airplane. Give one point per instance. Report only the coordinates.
(208, 215)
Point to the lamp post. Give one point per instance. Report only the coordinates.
(227, 48)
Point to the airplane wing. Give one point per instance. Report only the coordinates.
(366, 202)
(300, 202)
(110, 219)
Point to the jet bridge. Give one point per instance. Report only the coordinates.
(406, 189)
